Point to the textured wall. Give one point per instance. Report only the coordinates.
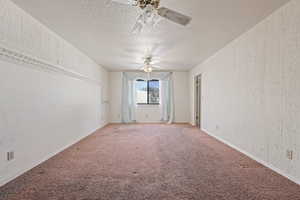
(251, 91)
(51, 94)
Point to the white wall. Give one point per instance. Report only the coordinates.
(115, 97)
(48, 105)
(181, 96)
(251, 91)
(151, 113)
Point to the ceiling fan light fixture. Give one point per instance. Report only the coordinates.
(148, 18)
(137, 28)
(148, 69)
(152, 13)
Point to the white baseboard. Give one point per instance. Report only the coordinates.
(268, 165)
(27, 168)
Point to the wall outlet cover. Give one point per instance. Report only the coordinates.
(289, 154)
(10, 155)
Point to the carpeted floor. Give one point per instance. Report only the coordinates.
(150, 162)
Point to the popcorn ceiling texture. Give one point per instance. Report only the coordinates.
(251, 91)
(153, 162)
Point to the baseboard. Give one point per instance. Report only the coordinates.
(140, 122)
(27, 168)
(266, 164)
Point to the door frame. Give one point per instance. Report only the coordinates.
(197, 101)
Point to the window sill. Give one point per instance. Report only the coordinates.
(148, 105)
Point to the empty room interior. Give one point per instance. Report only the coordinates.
(149, 100)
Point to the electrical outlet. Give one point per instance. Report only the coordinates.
(10, 155)
(289, 154)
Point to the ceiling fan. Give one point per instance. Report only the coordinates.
(148, 66)
(152, 13)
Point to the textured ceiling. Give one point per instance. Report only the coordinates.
(102, 30)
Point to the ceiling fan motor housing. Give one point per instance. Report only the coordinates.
(143, 3)
(148, 60)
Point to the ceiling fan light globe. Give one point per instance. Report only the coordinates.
(148, 69)
(137, 28)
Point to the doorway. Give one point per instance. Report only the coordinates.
(198, 100)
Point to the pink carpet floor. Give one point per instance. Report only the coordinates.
(150, 162)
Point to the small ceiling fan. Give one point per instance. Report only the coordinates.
(152, 13)
(148, 66)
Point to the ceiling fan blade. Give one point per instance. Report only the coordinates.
(155, 67)
(174, 16)
(126, 2)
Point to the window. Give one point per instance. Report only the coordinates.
(147, 92)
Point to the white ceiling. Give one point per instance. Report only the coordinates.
(103, 31)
